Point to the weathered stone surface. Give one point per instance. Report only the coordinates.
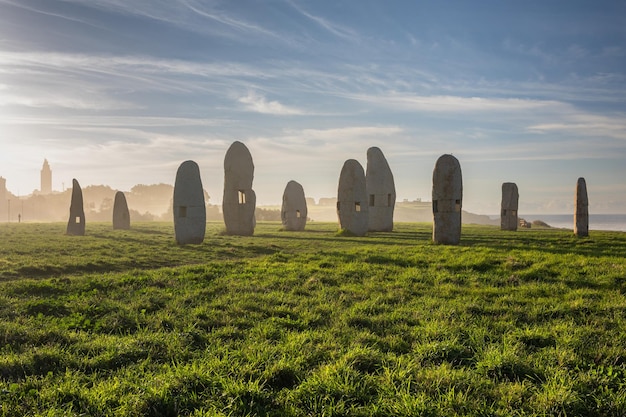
(239, 200)
(509, 206)
(352, 208)
(121, 215)
(581, 209)
(76, 222)
(189, 207)
(447, 200)
(381, 191)
(293, 212)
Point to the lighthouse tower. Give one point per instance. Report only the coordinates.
(46, 178)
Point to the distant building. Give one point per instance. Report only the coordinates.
(3, 189)
(46, 178)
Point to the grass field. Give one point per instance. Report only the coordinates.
(127, 323)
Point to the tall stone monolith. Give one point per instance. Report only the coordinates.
(121, 215)
(76, 222)
(508, 208)
(381, 191)
(581, 209)
(239, 200)
(293, 212)
(188, 205)
(447, 200)
(352, 208)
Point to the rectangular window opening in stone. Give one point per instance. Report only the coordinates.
(389, 200)
(457, 205)
(372, 199)
(77, 220)
(182, 211)
(357, 206)
(514, 212)
(338, 204)
(298, 214)
(435, 208)
(503, 212)
(242, 197)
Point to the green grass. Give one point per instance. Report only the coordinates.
(127, 323)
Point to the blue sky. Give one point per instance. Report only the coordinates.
(121, 92)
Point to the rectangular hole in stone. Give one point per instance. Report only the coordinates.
(77, 220)
(182, 211)
(514, 212)
(457, 205)
(503, 212)
(357, 206)
(372, 200)
(435, 208)
(298, 214)
(389, 200)
(242, 197)
(338, 205)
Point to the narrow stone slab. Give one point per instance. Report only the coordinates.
(293, 212)
(581, 209)
(239, 200)
(509, 207)
(352, 208)
(381, 191)
(76, 222)
(121, 215)
(189, 207)
(447, 200)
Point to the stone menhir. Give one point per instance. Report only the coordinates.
(239, 200)
(508, 213)
(352, 208)
(381, 191)
(293, 212)
(188, 205)
(581, 209)
(121, 215)
(76, 223)
(447, 200)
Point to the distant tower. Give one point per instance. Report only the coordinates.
(46, 178)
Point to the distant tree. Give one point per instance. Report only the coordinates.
(267, 214)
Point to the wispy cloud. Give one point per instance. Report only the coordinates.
(257, 103)
(454, 103)
(338, 30)
(586, 125)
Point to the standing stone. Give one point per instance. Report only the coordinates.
(581, 209)
(508, 215)
(189, 208)
(352, 208)
(294, 210)
(121, 216)
(239, 200)
(381, 191)
(76, 223)
(447, 200)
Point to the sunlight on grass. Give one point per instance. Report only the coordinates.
(127, 323)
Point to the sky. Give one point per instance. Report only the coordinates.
(121, 92)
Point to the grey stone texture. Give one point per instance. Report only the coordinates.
(121, 215)
(352, 207)
(239, 200)
(381, 191)
(581, 209)
(76, 222)
(293, 212)
(188, 205)
(447, 200)
(509, 207)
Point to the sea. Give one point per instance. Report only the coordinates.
(616, 222)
